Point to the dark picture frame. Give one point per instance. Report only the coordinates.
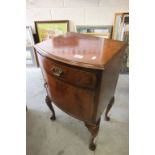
(49, 29)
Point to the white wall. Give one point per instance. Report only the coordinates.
(80, 12)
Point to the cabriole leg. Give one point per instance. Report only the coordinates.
(109, 106)
(93, 129)
(49, 104)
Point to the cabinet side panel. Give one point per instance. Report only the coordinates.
(108, 83)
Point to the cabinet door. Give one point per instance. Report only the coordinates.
(73, 100)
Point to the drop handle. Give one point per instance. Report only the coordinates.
(57, 71)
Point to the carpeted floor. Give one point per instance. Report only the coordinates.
(67, 135)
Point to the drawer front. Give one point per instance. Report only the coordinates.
(71, 75)
(73, 100)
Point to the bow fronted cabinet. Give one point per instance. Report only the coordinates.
(81, 73)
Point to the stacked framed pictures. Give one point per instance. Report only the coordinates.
(29, 37)
(104, 31)
(31, 58)
(49, 29)
(121, 25)
(121, 32)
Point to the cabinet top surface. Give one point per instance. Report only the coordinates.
(81, 50)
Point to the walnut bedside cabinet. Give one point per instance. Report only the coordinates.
(81, 73)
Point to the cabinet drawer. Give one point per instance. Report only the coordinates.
(68, 74)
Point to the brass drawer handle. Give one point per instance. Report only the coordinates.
(57, 71)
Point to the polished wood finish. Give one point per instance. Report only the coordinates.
(86, 51)
(81, 74)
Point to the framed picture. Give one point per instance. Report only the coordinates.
(104, 31)
(49, 29)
